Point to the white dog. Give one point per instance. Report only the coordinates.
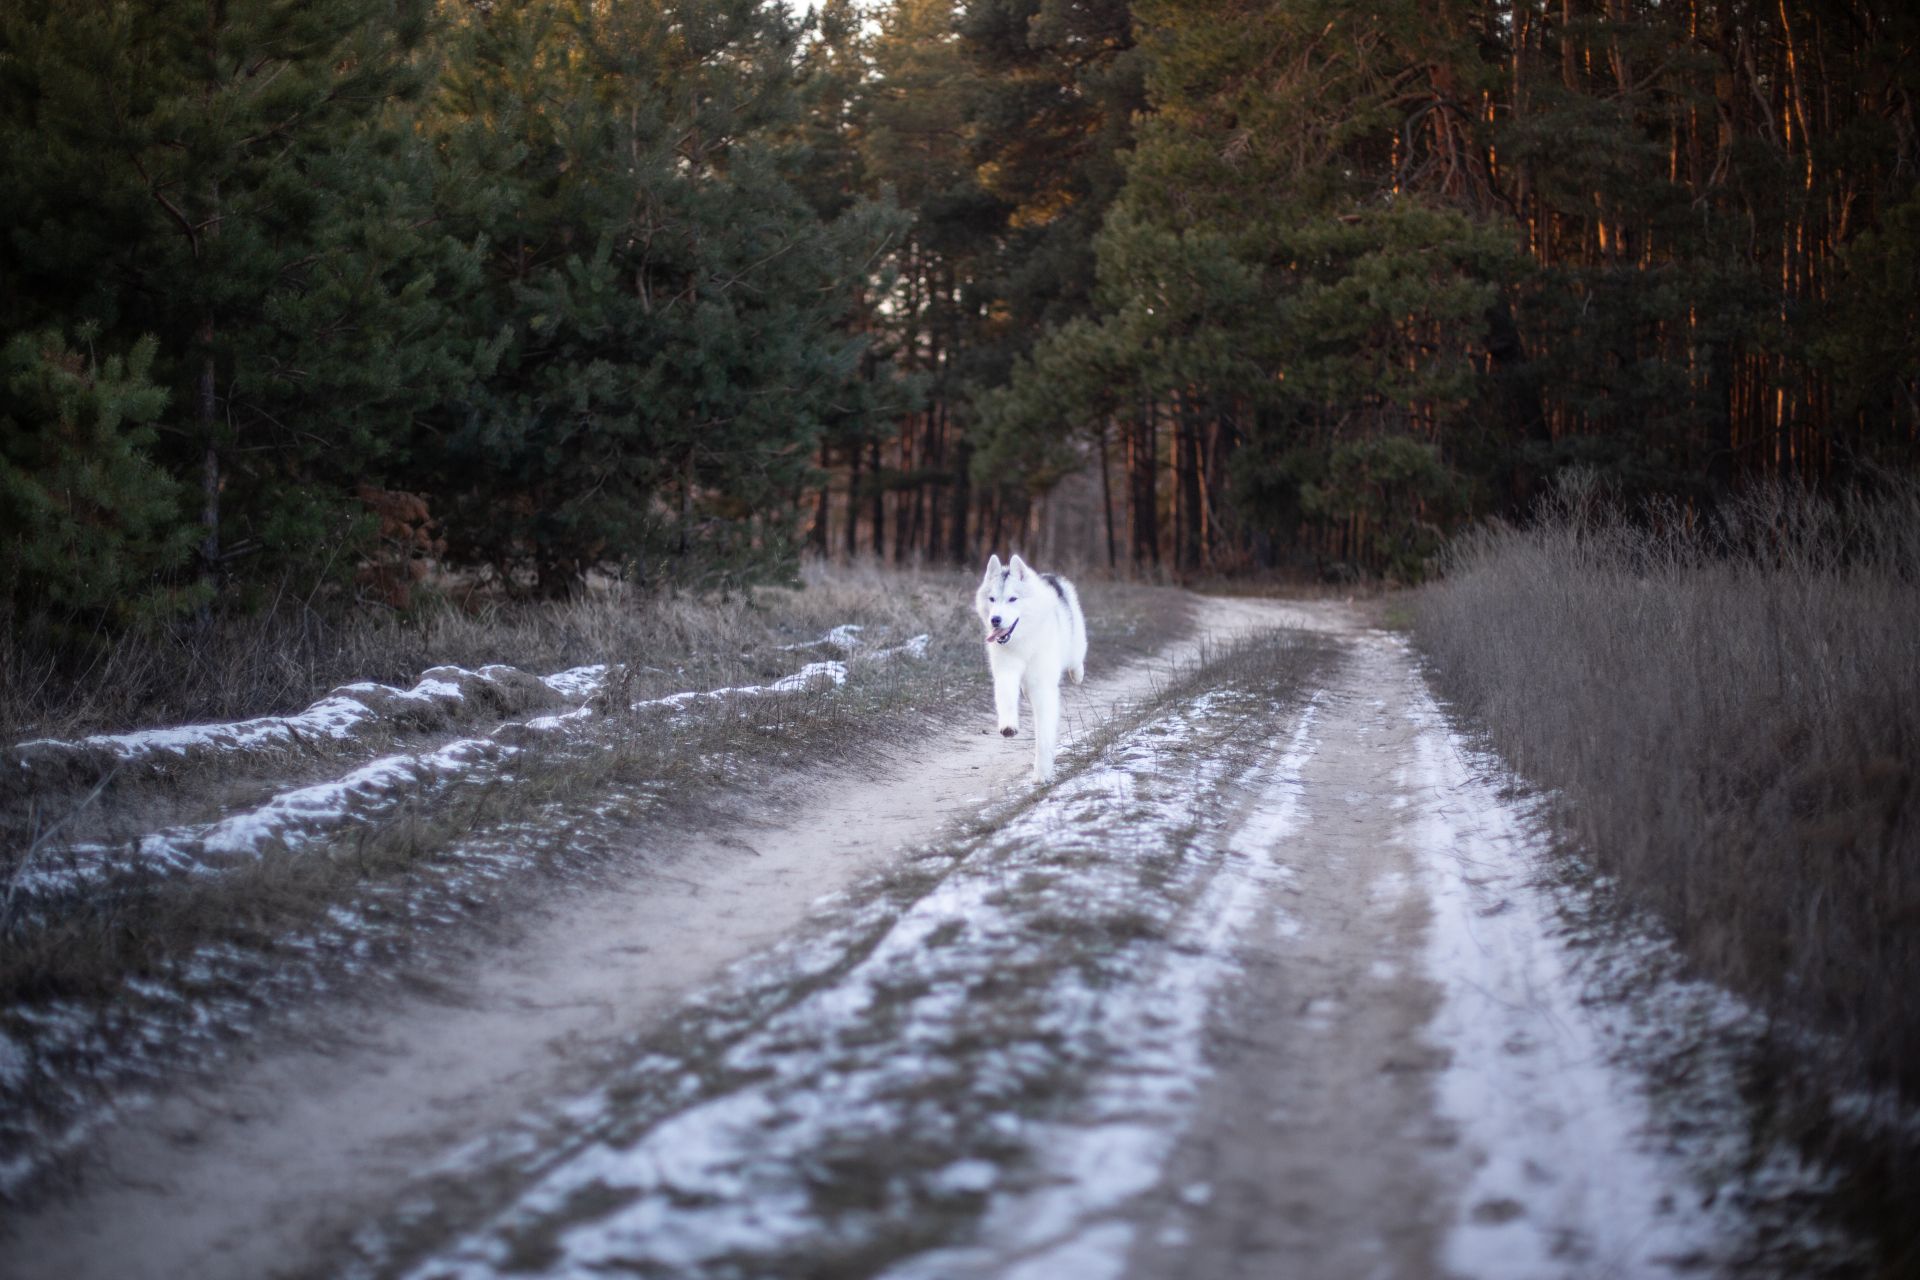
(1035, 631)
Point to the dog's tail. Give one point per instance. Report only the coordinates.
(1076, 633)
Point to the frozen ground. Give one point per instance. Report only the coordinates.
(1273, 982)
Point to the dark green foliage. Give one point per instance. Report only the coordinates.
(232, 180)
(662, 304)
(1396, 488)
(1870, 337)
(91, 530)
(643, 289)
(1664, 245)
(588, 278)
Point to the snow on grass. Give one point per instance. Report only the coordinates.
(814, 673)
(336, 716)
(288, 820)
(913, 648)
(845, 637)
(578, 684)
(94, 1058)
(342, 716)
(322, 807)
(370, 791)
(442, 693)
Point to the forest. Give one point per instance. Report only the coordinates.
(313, 300)
(491, 493)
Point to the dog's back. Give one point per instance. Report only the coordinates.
(1076, 649)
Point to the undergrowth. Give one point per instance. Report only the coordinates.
(1729, 707)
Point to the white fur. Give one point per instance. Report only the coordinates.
(1045, 636)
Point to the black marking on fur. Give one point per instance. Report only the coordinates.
(1053, 580)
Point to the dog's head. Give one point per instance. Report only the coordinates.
(1003, 593)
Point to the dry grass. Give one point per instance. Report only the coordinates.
(234, 667)
(1731, 710)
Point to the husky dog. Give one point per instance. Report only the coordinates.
(1035, 631)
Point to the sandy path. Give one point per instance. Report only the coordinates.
(1412, 1081)
(1315, 1149)
(301, 1143)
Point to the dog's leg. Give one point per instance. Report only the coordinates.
(1006, 700)
(1045, 697)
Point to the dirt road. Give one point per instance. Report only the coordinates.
(1264, 986)
(305, 1142)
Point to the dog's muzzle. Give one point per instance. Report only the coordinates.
(1004, 634)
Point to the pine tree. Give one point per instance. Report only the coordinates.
(663, 305)
(91, 530)
(230, 178)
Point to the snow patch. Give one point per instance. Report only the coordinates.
(1565, 1182)
(341, 716)
(578, 684)
(368, 791)
(1093, 1167)
(845, 637)
(833, 673)
(896, 1065)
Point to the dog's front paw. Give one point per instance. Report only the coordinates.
(1007, 731)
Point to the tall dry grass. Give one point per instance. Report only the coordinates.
(1731, 708)
(53, 683)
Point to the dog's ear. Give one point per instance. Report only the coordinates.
(993, 564)
(1019, 567)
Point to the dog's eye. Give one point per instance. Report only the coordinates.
(1012, 599)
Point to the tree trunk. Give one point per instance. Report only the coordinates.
(208, 410)
(817, 536)
(957, 548)
(1106, 497)
(1187, 476)
(1142, 464)
(686, 507)
(879, 507)
(1720, 428)
(853, 500)
(1519, 401)
(932, 452)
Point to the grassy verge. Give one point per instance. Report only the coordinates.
(233, 667)
(126, 984)
(1730, 708)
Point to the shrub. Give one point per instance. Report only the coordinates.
(90, 528)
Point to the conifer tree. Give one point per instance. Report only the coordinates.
(91, 530)
(228, 177)
(664, 305)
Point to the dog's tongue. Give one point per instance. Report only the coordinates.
(996, 634)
